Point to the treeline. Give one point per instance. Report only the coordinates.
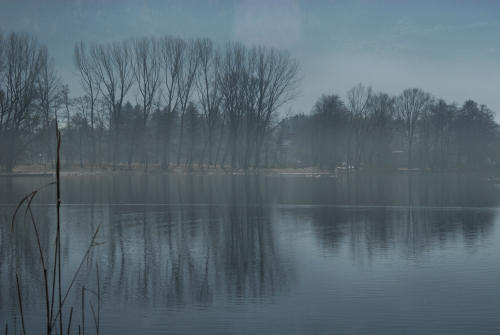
(194, 103)
(172, 102)
(378, 131)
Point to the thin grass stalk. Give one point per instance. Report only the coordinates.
(37, 235)
(23, 200)
(28, 199)
(49, 328)
(6, 328)
(98, 299)
(69, 322)
(58, 187)
(75, 276)
(53, 284)
(94, 317)
(83, 310)
(20, 303)
(45, 279)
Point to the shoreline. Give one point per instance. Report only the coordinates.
(37, 171)
(30, 172)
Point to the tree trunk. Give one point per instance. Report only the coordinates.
(181, 139)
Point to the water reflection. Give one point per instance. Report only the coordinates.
(383, 190)
(412, 229)
(178, 255)
(175, 243)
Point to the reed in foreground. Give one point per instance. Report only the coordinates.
(55, 297)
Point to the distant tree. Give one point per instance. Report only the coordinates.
(410, 105)
(476, 135)
(231, 83)
(330, 125)
(133, 123)
(90, 83)
(186, 81)
(50, 99)
(146, 69)
(209, 93)
(276, 75)
(172, 53)
(193, 133)
(299, 141)
(436, 135)
(19, 71)
(358, 99)
(113, 66)
(381, 129)
(81, 125)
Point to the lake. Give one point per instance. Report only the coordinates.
(239, 254)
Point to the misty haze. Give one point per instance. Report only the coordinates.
(249, 167)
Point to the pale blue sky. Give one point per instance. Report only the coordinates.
(449, 48)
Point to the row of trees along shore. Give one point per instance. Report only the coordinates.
(171, 102)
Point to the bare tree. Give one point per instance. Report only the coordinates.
(80, 129)
(18, 96)
(380, 133)
(254, 84)
(409, 106)
(2, 64)
(276, 84)
(248, 105)
(3, 96)
(172, 51)
(146, 69)
(231, 83)
(186, 81)
(90, 83)
(50, 96)
(358, 99)
(209, 92)
(113, 63)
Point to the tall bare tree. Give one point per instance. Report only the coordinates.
(358, 99)
(380, 133)
(231, 83)
(277, 80)
(209, 92)
(410, 105)
(172, 53)
(146, 69)
(50, 96)
(113, 64)
(3, 97)
(90, 83)
(22, 59)
(186, 81)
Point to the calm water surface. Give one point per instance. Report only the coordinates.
(267, 255)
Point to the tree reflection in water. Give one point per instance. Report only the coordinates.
(195, 241)
(192, 253)
(420, 225)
